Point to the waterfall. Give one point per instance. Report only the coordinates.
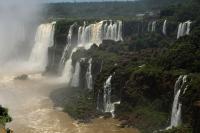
(87, 36)
(149, 27)
(76, 75)
(119, 32)
(176, 107)
(101, 66)
(89, 75)
(165, 27)
(98, 101)
(107, 95)
(184, 29)
(68, 45)
(109, 107)
(97, 32)
(153, 28)
(43, 40)
(68, 67)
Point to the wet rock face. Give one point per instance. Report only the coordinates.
(60, 40)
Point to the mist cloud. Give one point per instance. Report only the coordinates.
(16, 19)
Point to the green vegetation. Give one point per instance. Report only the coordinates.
(4, 117)
(181, 129)
(144, 67)
(105, 10)
(80, 105)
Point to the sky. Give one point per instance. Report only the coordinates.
(81, 0)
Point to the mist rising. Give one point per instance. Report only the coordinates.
(16, 26)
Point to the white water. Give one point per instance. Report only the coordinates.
(76, 75)
(107, 95)
(153, 28)
(68, 45)
(97, 32)
(68, 68)
(89, 35)
(176, 108)
(89, 75)
(184, 29)
(109, 107)
(165, 27)
(43, 40)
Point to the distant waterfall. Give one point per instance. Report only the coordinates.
(89, 35)
(68, 45)
(96, 33)
(109, 107)
(149, 27)
(176, 108)
(43, 40)
(98, 101)
(153, 28)
(184, 29)
(89, 75)
(164, 31)
(76, 75)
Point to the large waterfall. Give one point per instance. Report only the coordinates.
(164, 30)
(89, 75)
(184, 29)
(87, 36)
(68, 45)
(176, 108)
(96, 33)
(43, 40)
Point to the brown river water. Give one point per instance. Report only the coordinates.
(33, 111)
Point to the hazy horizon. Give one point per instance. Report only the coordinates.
(59, 1)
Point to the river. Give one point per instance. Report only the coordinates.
(33, 111)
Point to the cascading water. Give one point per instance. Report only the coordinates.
(88, 35)
(98, 101)
(107, 95)
(176, 108)
(96, 33)
(93, 34)
(149, 27)
(119, 33)
(76, 75)
(109, 107)
(153, 28)
(89, 75)
(68, 45)
(164, 31)
(67, 71)
(184, 29)
(43, 40)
